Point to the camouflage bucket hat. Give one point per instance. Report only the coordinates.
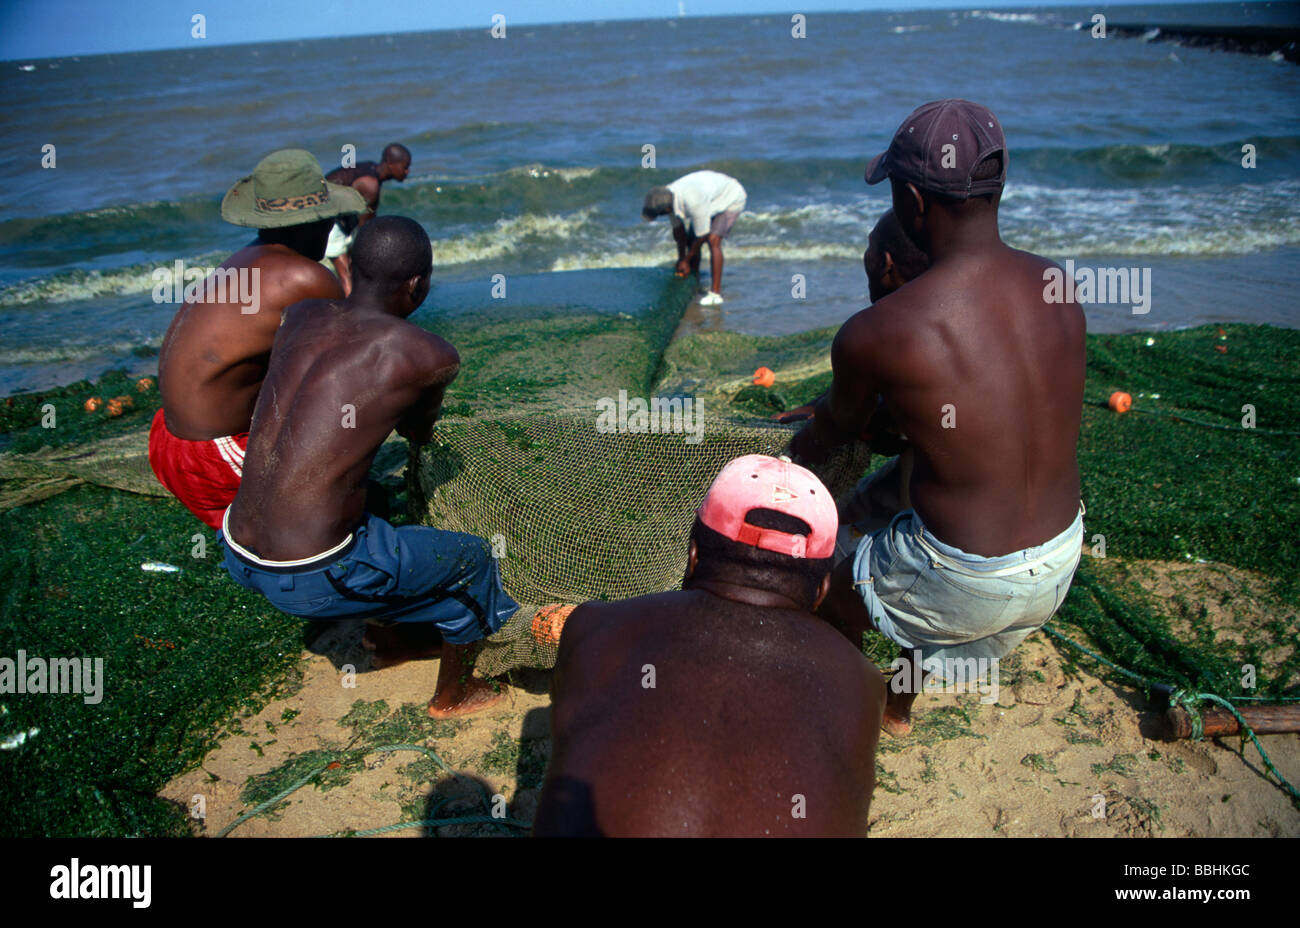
(287, 188)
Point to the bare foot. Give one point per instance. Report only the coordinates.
(896, 725)
(457, 691)
(450, 702)
(390, 645)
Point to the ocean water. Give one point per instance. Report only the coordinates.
(528, 159)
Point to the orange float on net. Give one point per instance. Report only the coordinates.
(118, 405)
(93, 404)
(1120, 401)
(144, 384)
(764, 377)
(549, 622)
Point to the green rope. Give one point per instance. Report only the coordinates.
(1190, 703)
(262, 807)
(1105, 404)
(1213, 425)
(1146, 682)
(501, 823)
(431, 823)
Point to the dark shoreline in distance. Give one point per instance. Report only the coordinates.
(1246, 40)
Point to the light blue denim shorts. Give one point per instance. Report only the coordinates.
(951, 605)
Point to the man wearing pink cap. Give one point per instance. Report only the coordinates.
(985, 377)
(728, 707)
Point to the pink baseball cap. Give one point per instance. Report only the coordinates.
(757, 481)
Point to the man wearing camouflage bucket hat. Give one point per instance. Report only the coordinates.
(215, 353)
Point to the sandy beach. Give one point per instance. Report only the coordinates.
(1031, 765)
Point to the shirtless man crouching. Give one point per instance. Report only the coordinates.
(727, 708)
(215, 353)
(343, 375)
(985, 377)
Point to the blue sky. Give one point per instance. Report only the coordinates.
(48, 28)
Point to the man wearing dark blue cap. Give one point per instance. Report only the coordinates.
(984, 373)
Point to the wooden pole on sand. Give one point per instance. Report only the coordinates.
(1265, 720)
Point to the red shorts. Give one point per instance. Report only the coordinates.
(203, 475)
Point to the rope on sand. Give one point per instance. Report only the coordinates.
(1191, 702)
(501, 823)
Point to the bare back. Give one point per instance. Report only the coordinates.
(341, 379)
(986, 379)
(751, 708)
(215, 354)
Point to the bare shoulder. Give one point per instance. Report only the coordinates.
(592, 626)
(286, 277)
(305, 279)
(418, 349)
(367, 186)
(584, 621)
(1029, 260)
(875, 336)
(295, 314)
(1045, 276)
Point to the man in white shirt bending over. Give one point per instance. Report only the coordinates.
(703, 205)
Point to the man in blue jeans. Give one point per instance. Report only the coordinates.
(343, 374)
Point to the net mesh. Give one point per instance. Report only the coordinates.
(51, 441)
(577, 510)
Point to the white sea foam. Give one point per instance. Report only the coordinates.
(78, 285)
(1057, 221)
(542, 171)
(506, 236)
(999, 17)
(64, 352)
(734, 251)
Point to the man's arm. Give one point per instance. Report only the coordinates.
(416, 424)
(368, 187)
(286, 280)
(698, 242)
(700, 219)
(842, 412)
(683, 240)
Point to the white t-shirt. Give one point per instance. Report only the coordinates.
(701, 195)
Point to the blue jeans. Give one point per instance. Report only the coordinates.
(408, 574)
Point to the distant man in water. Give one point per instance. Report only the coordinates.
(215, 353)
(985, 377)
(365, 178)
(727, 708)
(703, 206)
(343, 375)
